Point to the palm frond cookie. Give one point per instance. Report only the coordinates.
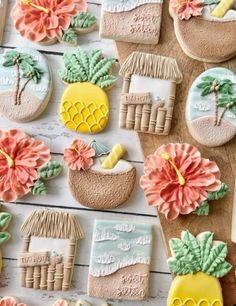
(84, 104)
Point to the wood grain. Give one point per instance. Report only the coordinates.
(219, 220)
(3, 13)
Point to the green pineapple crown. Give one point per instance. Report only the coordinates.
(82, 66)
(191, 255)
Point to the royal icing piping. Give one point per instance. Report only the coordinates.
(115, 155)
(5, 219)
(10, 301)
(125, 5)
(169, 169)
(84, 104)
(198, 263)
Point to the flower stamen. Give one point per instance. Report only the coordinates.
(166, 157)
(39, 7)
(10, 161)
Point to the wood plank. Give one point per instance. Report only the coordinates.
(219, 220)
(3, 14)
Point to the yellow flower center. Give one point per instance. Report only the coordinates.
(39, 7)
(10, 161)
(166, 157)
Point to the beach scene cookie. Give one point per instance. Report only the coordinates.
(5, 219)
(136, 21)
(62, 302)
(148, 94)
(25, 84)
(46, 260)
(211, 107)
(196, 22)
(97, 176)
(84, 104)
(178, 181)
(47, 22)
(10, 301)
(120, 260)
(198, 263)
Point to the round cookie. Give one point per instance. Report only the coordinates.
(211, 107)
(25, 84)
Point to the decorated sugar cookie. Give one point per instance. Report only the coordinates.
(47, 22)
(49, 248)
(98, 177)
(148, 95)
(120, 260)
(5, 219)
(24, 165)
(196, 22)
(10, 301)
(211, 107)
(198, 263)
(84, 105)
(177, 181)
(25, 84)
(62, 302)
(136, 21)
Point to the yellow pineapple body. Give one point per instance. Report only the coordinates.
(198, 289)
(84, 108)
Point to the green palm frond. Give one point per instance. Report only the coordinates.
(210, 84)
(83, 20)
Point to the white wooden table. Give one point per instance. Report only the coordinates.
(49, 129)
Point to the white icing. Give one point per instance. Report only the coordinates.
(104, 235)
(124, 246)
(125, 5)
(156, 87)
(121, 166)
(52, 245)
(143, 240)
(105, 259)
(206, 14)
(125, 227)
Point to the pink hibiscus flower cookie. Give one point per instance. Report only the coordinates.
(178, 181)
(49, 21)
(10, 301)
(24, 165)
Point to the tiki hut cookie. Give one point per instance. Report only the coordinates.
(47, 22)
(197, 21)
(49, 248)
(177, 181)
(198, 263)
(25, 84)
(84, 105)
(148, 95)
(24, 165)
(211, 107)
(97, 176)
(5, 219)
(136, 21)
(120, 260)
(10, 301)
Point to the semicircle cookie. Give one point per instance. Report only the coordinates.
(211, 107)
(25, 84)
(205, 29)
(98, 177)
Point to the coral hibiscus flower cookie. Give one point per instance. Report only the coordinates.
(24, 165)
(47, 21)
(98, 177)
(211, 107)
(84, 104)
(25, 84)
(196, 22)
(198, 263)
(179, 181)
(10, 301)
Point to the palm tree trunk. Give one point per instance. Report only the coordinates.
(21, 91)
(222, 115)
(17, 83)
(215, 108)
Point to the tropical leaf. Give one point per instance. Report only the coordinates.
(83, 20)
(102, 69)
(83, 58)
(205, 241)
(225, 87)
(209, 79)
(219, 194)
(31, 72)
(72, 63)
(10, 58)
(202, 210)
(233, 109)
(50, 170)
(177, 248)
(94, 57)
(217, 256)
(181, 266)
(69, 76)
(106, 81)
(221, 269)
(4, 220)
(38, 188)
(192, 243)
(70, 37)
(4, 237)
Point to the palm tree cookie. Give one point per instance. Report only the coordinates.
(198, 263)
(97, 176)
(84, 105)
(211, 107)
(25, 84)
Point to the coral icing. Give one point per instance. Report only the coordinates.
(49, 22)
(177, 179)
(185, 9)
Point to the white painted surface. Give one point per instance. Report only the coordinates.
(49, 128)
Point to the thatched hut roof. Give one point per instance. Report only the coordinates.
(152, 65)
(52, 224)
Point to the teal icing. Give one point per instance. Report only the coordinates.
(40, 89)
(204, 104)
(118, 244)
(194, 254)
(125, 5)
